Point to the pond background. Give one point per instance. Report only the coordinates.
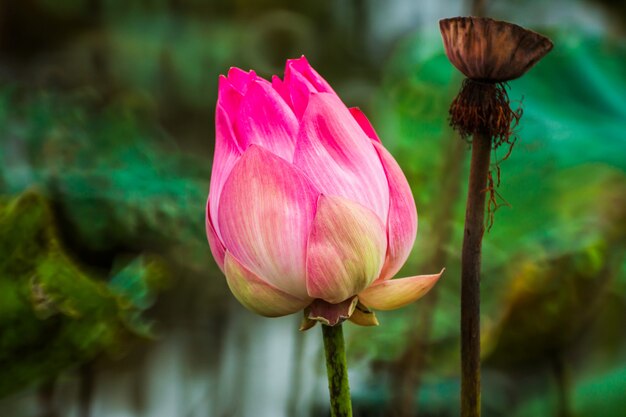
(111, 304)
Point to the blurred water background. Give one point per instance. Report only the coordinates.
(111, 304)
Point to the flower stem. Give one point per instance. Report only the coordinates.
(337, 369)
(470, 276)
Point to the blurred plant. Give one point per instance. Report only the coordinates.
(554, 297)
(114, 193)
(112, 188)
(112, 200)
(53, 315)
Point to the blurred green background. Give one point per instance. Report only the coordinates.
(111, 304)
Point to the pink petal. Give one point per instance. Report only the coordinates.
(228, 97)
(281, 88)
(365, 124)
(265, 213)
(301, 80)
(402, 219)
(299, 89)
(240, 79)
(258, 295)
(302, 66)
(396, 293)
(346, 249)
(226, 154)
(265, 119)
(217, 248)
(338, 157)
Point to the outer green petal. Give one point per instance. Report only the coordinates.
(346, 249)
(396, 293)
(256, 294)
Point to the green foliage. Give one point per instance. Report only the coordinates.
(53, 315)
(118, 189)
(117, 184)
(551, 302)
(600, 395)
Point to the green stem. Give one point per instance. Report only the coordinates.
(337, 369)
(563, 384)
(470, 276)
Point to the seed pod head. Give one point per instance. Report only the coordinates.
(489, 53)
(489, 50)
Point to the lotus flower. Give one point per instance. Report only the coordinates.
(307, 209)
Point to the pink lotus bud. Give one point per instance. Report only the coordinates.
(305, 203)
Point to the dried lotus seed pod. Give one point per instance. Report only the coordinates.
(490, 50)
(489, 53)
